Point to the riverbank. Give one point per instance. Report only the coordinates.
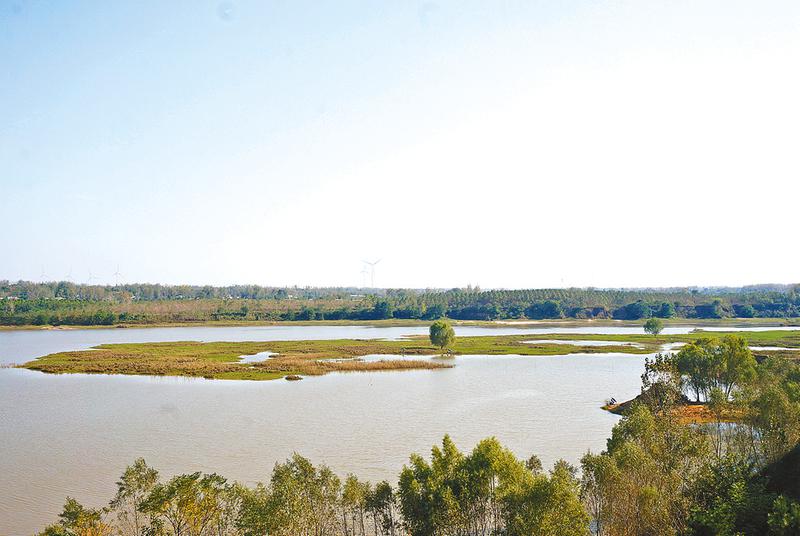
(686, 413)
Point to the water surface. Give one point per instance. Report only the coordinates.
(74, 434)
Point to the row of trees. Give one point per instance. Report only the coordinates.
(487, 491)
(44, 311)
(657, 475)
(570, 297)
(711, 364)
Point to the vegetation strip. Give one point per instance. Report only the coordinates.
(64, 303)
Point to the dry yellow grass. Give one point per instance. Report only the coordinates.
(221, 360)
(686, 413)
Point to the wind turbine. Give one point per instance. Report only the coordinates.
(91, 278)
(116, 276)
(372, 271)
(364, 273)
(42, 275)
(69, 275)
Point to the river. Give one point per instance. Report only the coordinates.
(74, 434)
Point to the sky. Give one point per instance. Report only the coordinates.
(503, 144)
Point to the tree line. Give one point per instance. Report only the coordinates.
(24, 303)
(657, 475)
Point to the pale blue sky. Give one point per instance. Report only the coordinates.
(506, 144)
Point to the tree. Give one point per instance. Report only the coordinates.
(382, 310)
(694, 363)
(638, 486)
(544, 309)
(661, 384)
(547, 506)
(75, 520)
(633, 311)
(784, 520)
(488, 491)
(745, 311)
(381, 504)
(132, 489)
(442, 334)
(707, 363)
(667, 310)
(653, 326)
(190, 504)
(773, 413)
(354, 505)
(300, 500)
(737, 364)
(434, 312)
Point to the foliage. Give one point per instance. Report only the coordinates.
(67, 303)
(133, 488)
(488, 491)
(76, 520)
(653, 326)
(729, 498)
(784, 520)
(442, 334)
(713, 363)
(544, 309)
(637, 486)
(192, 504)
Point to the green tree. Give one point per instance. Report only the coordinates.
(299, 500)
(354, 505)
(133, 488)
(784, 520)
(381, 503)
(190, 505)
(382, 310)
(653, 326)
(695, 363)
(638, 486)
(488, 491)
(544, 309)
(708, 363)
(442, 334)
(728, 500)
(667, 310)
(434, 312)
(75, 520)
(772, 411)
(547, 506)
(737, 366)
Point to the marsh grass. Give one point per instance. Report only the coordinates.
(221, 360)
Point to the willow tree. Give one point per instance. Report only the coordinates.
(442, 334)
(653, 326)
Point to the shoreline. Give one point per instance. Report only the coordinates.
(688, 413)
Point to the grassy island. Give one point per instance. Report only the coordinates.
(225, 360)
